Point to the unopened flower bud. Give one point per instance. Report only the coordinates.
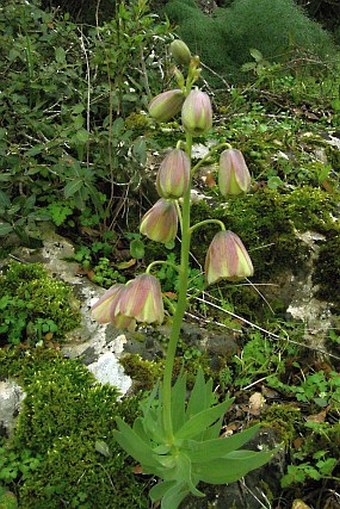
(160, 223)
(142, 300)
(166, 105)
(180, 52)
(197, 113)
(227, 258)
(173, 175)
(233, 175)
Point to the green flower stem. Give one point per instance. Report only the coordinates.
(180, 309)
(179, 212)
(160, 262)
(207, 221)
(209, 154)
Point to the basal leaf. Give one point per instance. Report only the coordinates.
(178, 395)
(218, 448)
(201, 421)
(134, 445)
(158, 491)
(201, 396)
(230, 469)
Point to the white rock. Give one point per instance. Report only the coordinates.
(107, 370)
(11, 396)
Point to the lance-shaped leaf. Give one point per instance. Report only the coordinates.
(232, 467)
(201, 421)
(219, 447)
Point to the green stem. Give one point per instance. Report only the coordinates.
(209, 154)
(180, 309)
(207, 221)
(160, 262)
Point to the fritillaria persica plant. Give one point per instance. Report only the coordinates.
(177, 438)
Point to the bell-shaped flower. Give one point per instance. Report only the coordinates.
(180, 52)
(104, 310)
(173, 175)
(233, 175)
(227, 258)
(141, 300)
(160, 223)
(166, 105)
(197, 113)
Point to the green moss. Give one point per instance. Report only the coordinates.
(67, 424)
(267, 222)
(143, 372)
(34, 306)
(284, 418)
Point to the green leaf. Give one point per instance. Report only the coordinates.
(232, 468)
(174, 496)
(201, 396)
(134, 445)
(178, 396)
(274, 182)
(158, 491)
(60, 55)
(201, 421)
(256, 54)
(72, 187)
(4, 200)
(137, 249)
(102, 447)
(218, 448)
(5, 229)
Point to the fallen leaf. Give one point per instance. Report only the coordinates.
(126, 265)
(299, 504)
(210, 180)
(320, 417)
(256, 403)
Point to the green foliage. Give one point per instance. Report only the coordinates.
(34, 306)
(194, 452)
(63, 449)
(224, 40)
(64, 145)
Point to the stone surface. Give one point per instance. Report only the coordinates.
(107, 370)
(11, 397)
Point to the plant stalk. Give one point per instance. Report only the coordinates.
(180, 309)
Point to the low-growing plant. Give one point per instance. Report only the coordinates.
(34, 306)
(177, 438)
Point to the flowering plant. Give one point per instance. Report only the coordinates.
(177, 438)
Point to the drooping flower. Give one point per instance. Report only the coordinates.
(141, 300)
(197, 113)
(227, 258)
(104, 310)
(173, 175)
(160, 223)
(180, 52)
(233, 175)
(166, 105)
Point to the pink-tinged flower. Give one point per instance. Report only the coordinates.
(160, 223)
(227, 258)
(197, 113)
(141, 300)
(166, 105)
(180, 52)
(173, 175)
(104, 310)
(233, 175)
